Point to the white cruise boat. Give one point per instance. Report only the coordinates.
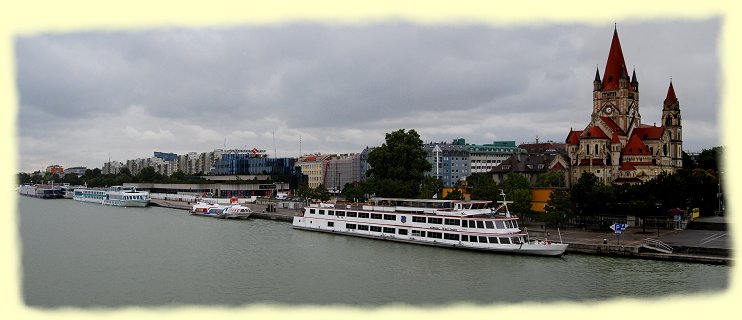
(114, 196)
(446, 223)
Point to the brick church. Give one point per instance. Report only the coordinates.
(616, 146)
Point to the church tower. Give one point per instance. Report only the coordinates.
(616, 96)
(672, 123)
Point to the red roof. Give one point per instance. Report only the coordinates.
(593, 133)
(573, 137)
(635, 146)
(671, 98)
(558, 166)
(612, 124)
(615, 139)
(627, 166)
(616, 65)
(648, 132)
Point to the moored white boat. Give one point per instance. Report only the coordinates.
(114, 196)
(471, 225)
(232, 211)
(43, 191)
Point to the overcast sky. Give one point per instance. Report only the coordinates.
(340, 87)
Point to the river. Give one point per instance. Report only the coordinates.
(88, 255)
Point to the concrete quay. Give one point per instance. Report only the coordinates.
(706, 240)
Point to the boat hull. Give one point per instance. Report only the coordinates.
(543, 249)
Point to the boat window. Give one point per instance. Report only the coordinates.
(515, 223)
(493, 239)
(500, 224)
(388, 230)
(480, 224)
(402, 231)
(376, 216)
(452, 222)
(362, 227)
(330, 212)
(390, 217)
(435, 235)
(464, 237)
(451, 236)
(311, 211)
(418, 219)
(508, 223)
(340, 213)
(472, 224)
(505, 240)
(321, 211)
(330, 224)
(363, 214)
(418, 233)
(473, 239)
(435, 220)
(482, 239)
(516, 240)
(350, 226)
(352, 214)
(375, 228)
(489, 224)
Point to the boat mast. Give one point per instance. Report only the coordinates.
(504, 203)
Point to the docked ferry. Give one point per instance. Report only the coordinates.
(41, 191)
(474, 225)
(113, 196)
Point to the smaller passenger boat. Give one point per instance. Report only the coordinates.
(233, 210)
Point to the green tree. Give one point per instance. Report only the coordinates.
(551, 178)
(354, 191)
(483, 187)
(321, 193)
(431, 186)
(518, 189)
(398, 166)
(559, 207)
(455, 194)
(148, 174)
(710, 159)
(24, 178)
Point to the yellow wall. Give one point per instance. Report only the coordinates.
(539, 197)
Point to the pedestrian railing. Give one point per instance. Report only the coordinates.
(657, 245)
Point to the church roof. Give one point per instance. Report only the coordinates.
(593, 132)
(612, 124)
(635, 146)
(648, 132)
(573, 137)
(615, 68)
(671, 98)
(627, 166)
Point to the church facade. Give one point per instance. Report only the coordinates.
(616, 146)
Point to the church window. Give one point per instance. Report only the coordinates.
(668, 121)
(588, 149)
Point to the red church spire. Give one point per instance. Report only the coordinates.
(615, 68)
(671, 98)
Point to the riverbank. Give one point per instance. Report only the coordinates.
(689, 245)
